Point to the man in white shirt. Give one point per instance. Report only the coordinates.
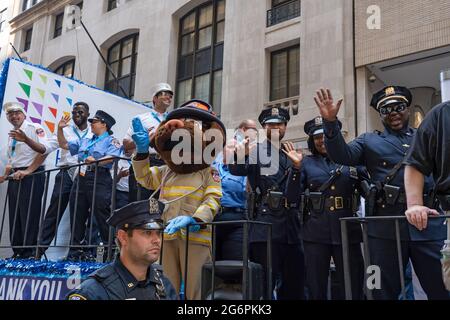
(162, 95)
(27, 143)
(122, 186)
(65, 177)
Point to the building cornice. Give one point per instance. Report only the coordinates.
(33, 14)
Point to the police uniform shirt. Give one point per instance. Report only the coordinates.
(115, 282)
(71, 133)
(20, 155)
(233, 187)
(149, 120)
(430, 152)
(108, 146)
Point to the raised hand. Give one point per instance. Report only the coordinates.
(18, 135)
(140, 136)
(296, 157)
(64, 122)
(325, 103)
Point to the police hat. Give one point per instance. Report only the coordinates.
(391, 95)
(105, 118)
(14, 106)
(274, 115)
(197, 109)
(144, 214)
(315, 126)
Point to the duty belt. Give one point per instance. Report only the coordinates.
(337, 203)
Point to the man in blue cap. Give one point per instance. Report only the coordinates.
(267, 167)
(134, 275)
(383, 154)
(102, 146)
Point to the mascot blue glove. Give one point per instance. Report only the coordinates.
(140, 136)
(182, 222)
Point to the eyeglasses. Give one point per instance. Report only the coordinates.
(165, 94)
(384, 111)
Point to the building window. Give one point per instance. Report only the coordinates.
(67, 69)
(285, 73)
(200, 54)
(122, 57)
(112, 4)
(27, 40)
(282, 10)
(58, 25)
(2, 19)
(27, 4)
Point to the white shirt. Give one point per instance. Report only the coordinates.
(71, 133)
(122, 184)
(21, 155)
(149, 119)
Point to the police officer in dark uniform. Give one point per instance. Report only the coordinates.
(383, 153)
(330, 192)
(134, 275)
(102, 146)
(267, 167)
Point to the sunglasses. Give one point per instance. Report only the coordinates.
(384, 111)
(165, 94)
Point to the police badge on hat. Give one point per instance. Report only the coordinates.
(154, 206)
(275, 112)
(318, 121)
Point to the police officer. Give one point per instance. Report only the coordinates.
(162, 95)
(267, 168)
(133, 275)
(102, 146)
(383, 154)
(26, 146)
(229, 237)
(64, 178)
(330, 193)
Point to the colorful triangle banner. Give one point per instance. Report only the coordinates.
(71, 87)
(56, 97)
(36, 120)
(69, 101)
(39, 107)
(58, 83)
(51, 126)
(25, 103)
(26, 88)
(29, 74)
(53, 111)
(41, 93)
(43, 78)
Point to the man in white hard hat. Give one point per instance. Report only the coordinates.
(162, 95)
(26, 148)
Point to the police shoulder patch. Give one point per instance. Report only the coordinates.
(40, 132)
(76, 296)
(116, 143)
(215, 175)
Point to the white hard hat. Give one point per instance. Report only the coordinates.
(14, 106)
(161, 87)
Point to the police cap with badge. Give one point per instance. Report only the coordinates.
(144, 214)
(274, 115)
(314, 128)
(385, 99)
(105, 118)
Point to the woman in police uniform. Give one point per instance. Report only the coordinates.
(331, 193)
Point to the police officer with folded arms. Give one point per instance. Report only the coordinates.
(134, 275)
(383, 154)
(26, 147)
(101, 146)
(267, 167)
(329, 192)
